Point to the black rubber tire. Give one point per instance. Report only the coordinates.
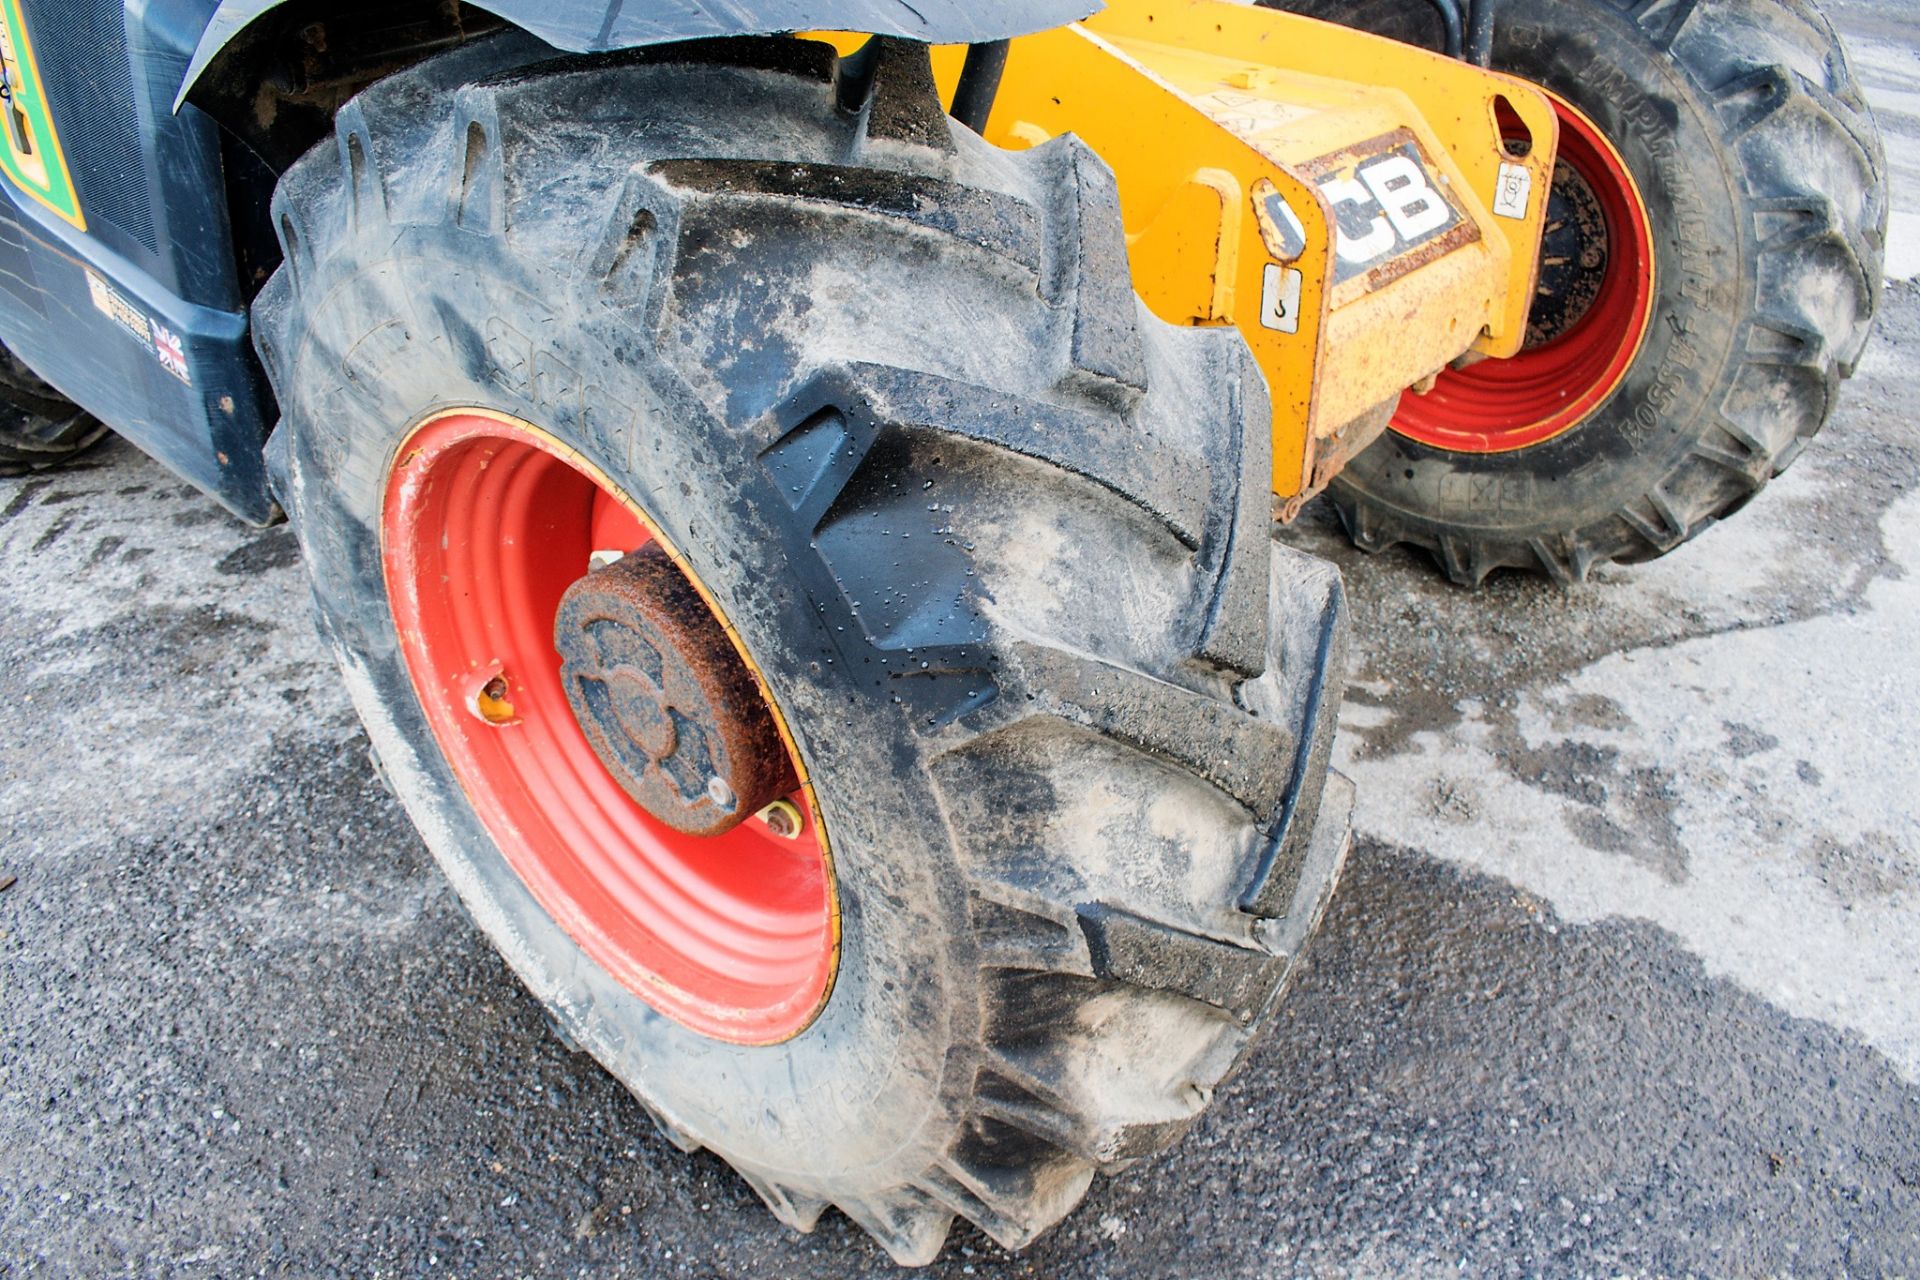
(39, 427)
(1070, 746)
(1764, 176)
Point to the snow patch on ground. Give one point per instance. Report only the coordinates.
(1891, 74)
(230, 665)
(1751, 791)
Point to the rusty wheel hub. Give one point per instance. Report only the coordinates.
(1574, 252)
(664, 698)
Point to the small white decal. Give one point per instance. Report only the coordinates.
(1280, 298)
(1515, 192)
(109, 301)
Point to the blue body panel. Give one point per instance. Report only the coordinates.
(141, 319)
(211, 430)
(157, 253)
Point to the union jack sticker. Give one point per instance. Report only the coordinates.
(168, 350)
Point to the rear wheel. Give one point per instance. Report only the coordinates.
(1710, 270)
(39, 427)
(699, 457)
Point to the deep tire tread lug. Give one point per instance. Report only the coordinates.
(793, 1208)
(1104, 350)
(1247, 759)
(908, 1223)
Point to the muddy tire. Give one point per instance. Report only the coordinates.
(39, 427)
(1763, 178)
(997, 541)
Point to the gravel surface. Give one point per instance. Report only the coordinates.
(1622, 978)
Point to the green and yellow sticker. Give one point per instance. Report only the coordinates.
(29, 144)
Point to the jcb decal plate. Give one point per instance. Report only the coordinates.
(1391, 211)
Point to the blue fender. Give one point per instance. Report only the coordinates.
(595, 26)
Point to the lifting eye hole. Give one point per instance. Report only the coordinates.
(1515, 138)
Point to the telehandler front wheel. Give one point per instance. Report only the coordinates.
(828, 632)
(1710, 270)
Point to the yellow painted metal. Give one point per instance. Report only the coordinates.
(1206, 110)
(1339, 73)
(1187, 201)
(1198, 105)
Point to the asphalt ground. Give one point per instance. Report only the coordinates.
(1621, 980)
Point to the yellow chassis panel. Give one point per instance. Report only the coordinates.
(1205, 109)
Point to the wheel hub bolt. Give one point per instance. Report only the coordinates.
(491, 704)
(782, 818)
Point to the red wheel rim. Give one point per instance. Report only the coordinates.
(1557, 381)
(486, 522)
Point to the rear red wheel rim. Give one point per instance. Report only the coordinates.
(486, 522)
(1561, 378)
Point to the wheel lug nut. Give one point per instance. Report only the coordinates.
(490, 702)
(782, 818)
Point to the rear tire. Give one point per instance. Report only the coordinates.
(39, 427)
(996, 539)
(1763, 175)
